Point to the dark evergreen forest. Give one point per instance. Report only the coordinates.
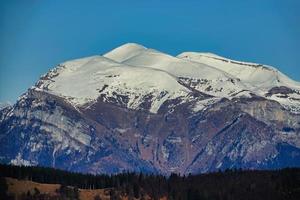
(225, 185)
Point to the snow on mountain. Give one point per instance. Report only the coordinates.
(125, 52)
(258, 75)
(132, 73)
(200, 76)
(84, 80)
(259, 78)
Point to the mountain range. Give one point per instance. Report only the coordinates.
(139, 109)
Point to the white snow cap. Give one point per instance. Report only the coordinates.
(125, 51)
(137, 72)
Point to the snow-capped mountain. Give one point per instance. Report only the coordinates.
(139, 109)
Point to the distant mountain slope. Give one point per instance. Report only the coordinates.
(139, 109)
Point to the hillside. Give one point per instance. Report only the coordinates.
(229, 184)
(22, 188)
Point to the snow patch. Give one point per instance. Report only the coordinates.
(19, 161)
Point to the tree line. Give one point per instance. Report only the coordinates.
(225, 185)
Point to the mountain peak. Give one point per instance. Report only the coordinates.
(125, 51)
(132, 44)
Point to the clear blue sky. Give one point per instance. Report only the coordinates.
(37, 35)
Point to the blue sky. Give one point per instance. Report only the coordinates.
(37, 35)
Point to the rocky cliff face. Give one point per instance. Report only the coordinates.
(138, 109)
